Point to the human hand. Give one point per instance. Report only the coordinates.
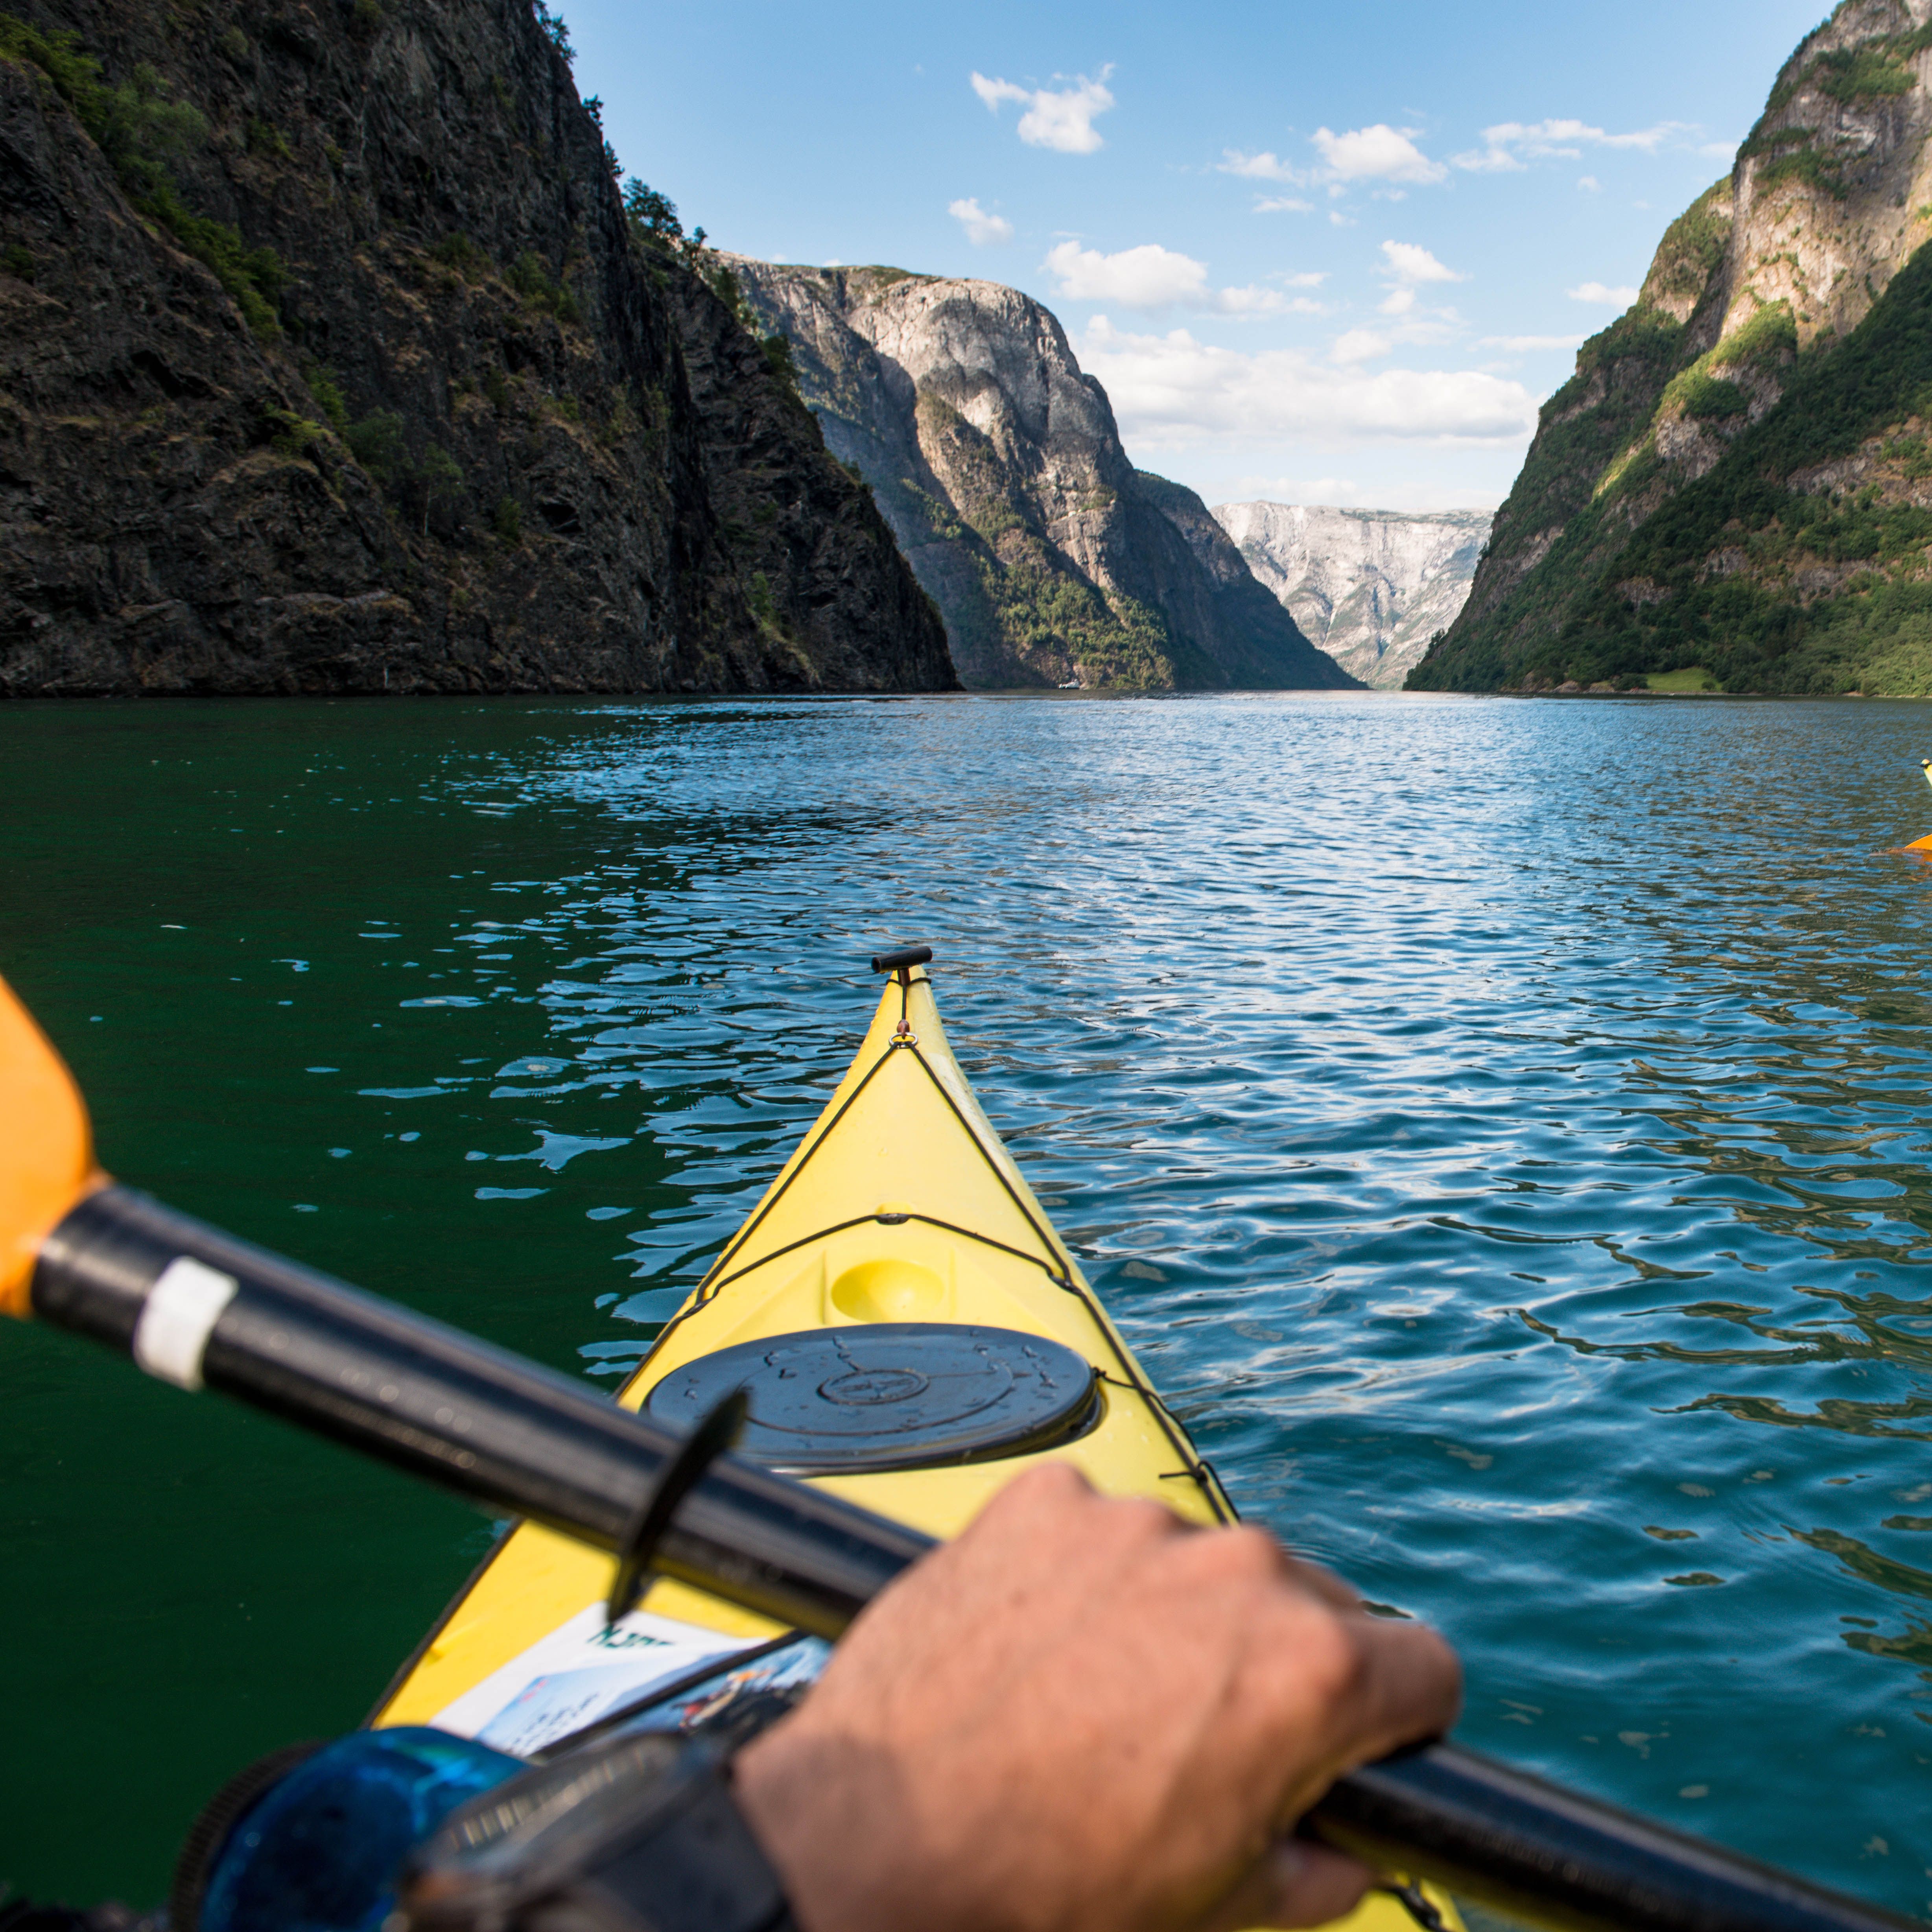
(1084, 1715)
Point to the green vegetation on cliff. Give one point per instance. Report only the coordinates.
(999, 466)
(1778, 578)
(342, 368)
(1736, 478)
(1021, 597)
(1875, 70)
(138, 127)
(1592, 454)
(1776, 570)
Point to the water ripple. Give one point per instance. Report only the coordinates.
(1501, 1128)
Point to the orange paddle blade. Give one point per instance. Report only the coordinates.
(46, 1149)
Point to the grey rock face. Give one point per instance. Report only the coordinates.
(1371, 587)
(543, 502)
(997, 463)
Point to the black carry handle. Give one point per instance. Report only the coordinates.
(906, 956)
(194, 1305)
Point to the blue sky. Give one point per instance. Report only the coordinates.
(1333, 253)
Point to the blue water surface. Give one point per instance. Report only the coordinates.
(1499, 1126)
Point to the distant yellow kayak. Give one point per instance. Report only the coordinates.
(910, 1332)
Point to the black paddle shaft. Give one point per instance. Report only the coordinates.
(196, 1307)
(505, 1433)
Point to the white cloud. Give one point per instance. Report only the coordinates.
(1488, 160)
(1312, 278)
(1408, 263)
(1253, 301)
(1505, 145)
(1598, 292)
(1266, 167)
(1519, 345)
(1380, 153)
(1148, 277)
(1168, 389)
(1346, 492)
(1292, 489)
(1151, 276)
(1406, 266)
(1360, 345)
(1590, 183)
(1406, 324)
(1060, 118)
(980, 227)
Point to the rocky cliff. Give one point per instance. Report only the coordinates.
(998, 466)
(1370, 587)
(332, 363)
(1737, 476)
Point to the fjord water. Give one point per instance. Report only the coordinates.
(1500, 1127)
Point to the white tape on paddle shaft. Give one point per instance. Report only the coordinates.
(177, 1318)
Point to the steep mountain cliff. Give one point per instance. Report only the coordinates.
(1739, 476)
(332, 363)
(1370, 587)
(998, 464)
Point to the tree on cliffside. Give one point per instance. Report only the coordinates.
(653, 216)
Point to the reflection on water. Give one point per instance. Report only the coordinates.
(1502, 1128)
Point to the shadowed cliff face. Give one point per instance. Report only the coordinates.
(455, 431)
(997, 463)
(1736, 478)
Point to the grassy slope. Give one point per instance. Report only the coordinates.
(1588, 427)
(1808, 589)
(1773, 588)
(1017, 611)
(1760, 625)
(1036, 602)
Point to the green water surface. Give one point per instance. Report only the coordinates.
(1499, 1127)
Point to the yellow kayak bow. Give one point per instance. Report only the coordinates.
(900, 1206)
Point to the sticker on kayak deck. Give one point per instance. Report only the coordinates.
(580, 1673)
(786, 1672)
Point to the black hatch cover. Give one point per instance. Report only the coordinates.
(889, 1395)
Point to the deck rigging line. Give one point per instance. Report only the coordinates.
(1060, 1270)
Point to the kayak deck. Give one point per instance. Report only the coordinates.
(900, 1206)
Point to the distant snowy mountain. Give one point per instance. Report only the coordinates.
(1371, 587)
